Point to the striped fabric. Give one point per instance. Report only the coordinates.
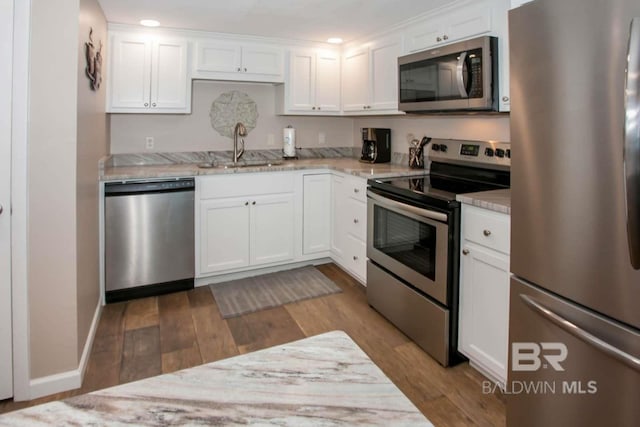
(271, 290)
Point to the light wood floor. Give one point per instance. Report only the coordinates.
(151, 336)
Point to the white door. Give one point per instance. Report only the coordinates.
(224, 242)
(302, 66)
(355, 80)
(6, 64)
(384, 74)
(328, 81)
(130, 73)
(169, 77)
(272, 229)
(263, 60)
(316, 213)
(218, 57)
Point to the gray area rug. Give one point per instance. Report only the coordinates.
(251, 294)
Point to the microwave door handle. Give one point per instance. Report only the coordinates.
(632, 143)
(462, 87)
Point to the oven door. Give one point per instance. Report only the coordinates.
(410, 242)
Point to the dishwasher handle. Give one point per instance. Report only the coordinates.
(127, 188)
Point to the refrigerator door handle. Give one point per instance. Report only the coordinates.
(631, 153)
(629, 360)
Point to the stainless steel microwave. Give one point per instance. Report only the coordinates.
(461, 76)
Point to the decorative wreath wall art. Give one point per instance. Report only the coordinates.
(94, 62)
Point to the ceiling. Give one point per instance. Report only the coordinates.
(314, 20)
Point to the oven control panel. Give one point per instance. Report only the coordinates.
(489, 154)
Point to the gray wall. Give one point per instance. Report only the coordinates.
(193, 132)
(92, 144)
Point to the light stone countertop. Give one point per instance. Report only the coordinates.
(346, 165)
(322, 380)
(495, 200)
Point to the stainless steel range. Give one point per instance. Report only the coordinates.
(413, 240)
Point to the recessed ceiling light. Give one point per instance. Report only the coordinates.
(334, 40)
(149, 23)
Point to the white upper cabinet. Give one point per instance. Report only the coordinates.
(518, 3)
(312, 83)
(226, 60)
(148, 75)
(370, 77)
(464, 21)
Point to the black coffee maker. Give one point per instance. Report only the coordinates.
(376, 145)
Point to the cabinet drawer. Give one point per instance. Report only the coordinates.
(356, 257)
(487, 228)
(246, 184)
(356, 218)
(356, 187)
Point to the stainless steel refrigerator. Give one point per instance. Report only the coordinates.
(574, 353)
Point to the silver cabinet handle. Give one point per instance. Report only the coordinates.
(445, 37)
(438, 39)
(253, 203)
(1, 209)
(487, 233)
(313, 108)
(355, 258)
(153, 105)
(632, 143)
(146, 104)
(465, 251)
(245, 70)
(355, 220)
(246, 203)
(318, 108)
(505, 99)
(570, 327)
(239, 69)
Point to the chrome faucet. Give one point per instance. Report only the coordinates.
(238, 131)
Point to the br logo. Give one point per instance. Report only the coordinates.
(531, 356)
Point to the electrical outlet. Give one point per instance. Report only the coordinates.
(149, 143)
(271, 140)
(322, 138)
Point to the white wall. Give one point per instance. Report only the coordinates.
(52, 187)
(483, 128)
(92, 144)
(193, 132)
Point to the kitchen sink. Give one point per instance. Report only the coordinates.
(251, 163)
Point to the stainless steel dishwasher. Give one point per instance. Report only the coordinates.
(149, 238)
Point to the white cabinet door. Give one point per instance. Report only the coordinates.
(484, 309)
(338, 212)
(262, 60)
(170, 86)
(224, 234)
(302, 76)
(423, 35)
(355, 81)
(130, 77)
(327, 81)
(316, 213)
(470, 21)
(272, 229)
(148, 76)
(384, 74)
(218, 57)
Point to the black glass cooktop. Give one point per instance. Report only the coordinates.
(440, 187)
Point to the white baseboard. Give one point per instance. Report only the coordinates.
(204, 281)
(68, 380)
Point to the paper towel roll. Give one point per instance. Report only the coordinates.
(289, 140)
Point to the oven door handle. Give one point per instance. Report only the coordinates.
(425, 213)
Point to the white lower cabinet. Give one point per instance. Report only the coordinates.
(349, 223)
(316, 219)
(248, 229)
(484, 291)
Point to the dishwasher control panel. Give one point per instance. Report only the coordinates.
(182, 184)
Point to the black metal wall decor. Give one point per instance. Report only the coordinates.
(94, 62)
